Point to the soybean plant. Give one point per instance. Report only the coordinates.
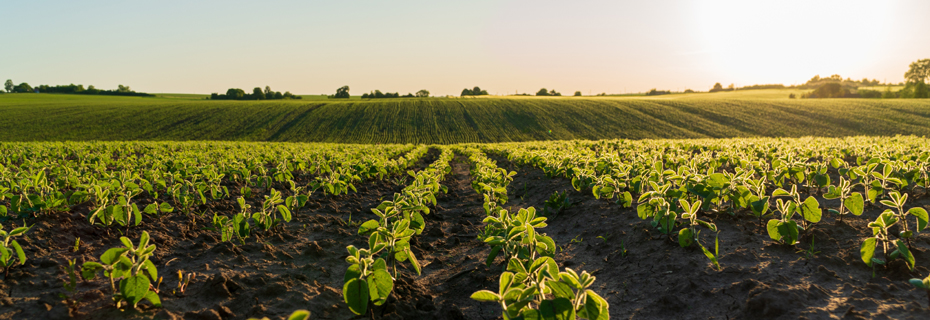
(9, 247)
(132, 266)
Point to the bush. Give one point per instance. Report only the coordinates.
(655, 92)
(870, 94)
(828, 90)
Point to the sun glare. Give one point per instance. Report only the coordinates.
(787, 39)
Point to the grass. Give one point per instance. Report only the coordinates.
(769, 113)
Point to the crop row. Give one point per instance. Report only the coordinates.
(779, 182)
(369, 279)
(531, 285)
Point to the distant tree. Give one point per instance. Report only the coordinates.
(655, 92)
(717, 87)
(689, 91)
(123, 89)
(791, 96)
(423, 93)
(278, 95)
(268, 93)
(542, 92)
(577, 93)
(235, 94)
(828, 90)
(476, 91)
(919, 71)
(23, 88)
(342, 93)
(8, 85)
(409, 95)
(288, 95)
(257, 94)
(553, 93)
(731, 87)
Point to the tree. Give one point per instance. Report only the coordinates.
(278, 95)
(257, 94)
(577, 93)
(553, 93)
(235, 94)
(23, 88)
(268, 93)
(121, 88)
(342, 93)
(919, 71)
(466, 92)
(717, 87)
(8, 85)
(542, 92)
(423, 93)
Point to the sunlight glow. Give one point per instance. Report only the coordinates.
(785, 39)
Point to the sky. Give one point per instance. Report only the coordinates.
(503, 46)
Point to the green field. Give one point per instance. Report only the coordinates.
(769, 113)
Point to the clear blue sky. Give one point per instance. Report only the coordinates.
(312, 47)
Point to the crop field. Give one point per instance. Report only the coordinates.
(753, 113)
(738, 228)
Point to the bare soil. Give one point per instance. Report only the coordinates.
(302, 266)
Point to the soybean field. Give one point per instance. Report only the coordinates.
(754, 113)
(592, 229)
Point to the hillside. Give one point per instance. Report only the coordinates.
(29, 117)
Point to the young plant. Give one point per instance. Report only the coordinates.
(296, 315)
(132, 266)
(537, 290)
(880, 231)
(367, 279)
(515, 235)
(897, 202)
(558, 201)
(238, 227)
(785, 230)
(654, 204)
(849, 200)
(690, 234)
(266, 218)
(9, 247)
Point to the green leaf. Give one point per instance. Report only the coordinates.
(685, 237)
(595, 307)
(89, 270)
(810, 210)
(299, 315)
(905, 253)
(772, 228)
(353, 272)
(485, 296)
(380, 285)
(918, 283)
(368, 226)
(494, 251)
(134, 288)
(355, 294)
(413, 260)
(285, 213)
(867, 250)
(561, 290)
(152, 297)
(921, 215)
(151, 209)
(556, 309)
(19, 252)
(111, 256)
(855, 203)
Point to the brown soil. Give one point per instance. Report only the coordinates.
(302, 267)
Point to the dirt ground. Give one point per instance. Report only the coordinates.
(302, 268)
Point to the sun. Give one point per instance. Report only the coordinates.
(789, 39)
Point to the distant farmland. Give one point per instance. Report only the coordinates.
(47, 117)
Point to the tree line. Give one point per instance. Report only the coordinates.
(915, 87)
(257, 94)
(71, 89)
